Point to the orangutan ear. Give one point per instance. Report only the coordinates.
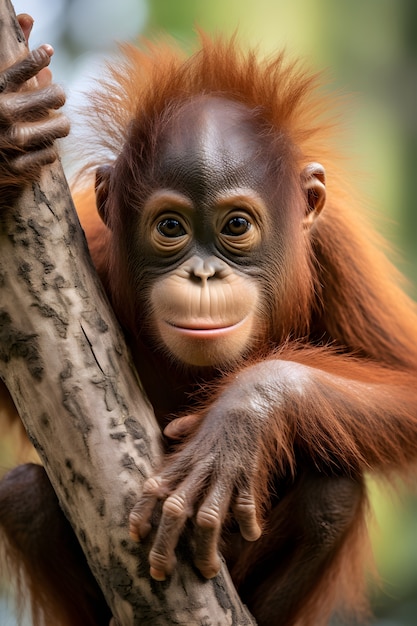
(103, 174)
(313, 180)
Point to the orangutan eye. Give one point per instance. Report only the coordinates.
(236, 226)
(171, 227)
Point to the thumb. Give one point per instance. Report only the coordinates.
(182, 426)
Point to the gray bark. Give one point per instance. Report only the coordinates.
(65, 363)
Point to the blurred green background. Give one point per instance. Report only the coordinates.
(369, 50)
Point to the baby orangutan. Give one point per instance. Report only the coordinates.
(236, 262)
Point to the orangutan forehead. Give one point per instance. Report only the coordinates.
(212, 143)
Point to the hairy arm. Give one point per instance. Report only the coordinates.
(345, 414)
(350, 413)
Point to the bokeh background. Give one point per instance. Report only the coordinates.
(368, 49)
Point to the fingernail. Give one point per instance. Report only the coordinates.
(134, 536)
(48, 49)
(157, 574)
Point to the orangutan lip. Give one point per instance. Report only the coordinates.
(204, 330)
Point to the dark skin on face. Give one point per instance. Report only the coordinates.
(205, 224)
(269, 337)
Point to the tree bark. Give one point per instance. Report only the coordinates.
(66, 365)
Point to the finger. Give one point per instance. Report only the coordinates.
(30, 164)
(39, 134)
(182, 426)
(44, 78)
(30, 106)
(175, 512)
(139, 519)
(26, 24)
(15, 76)
(209, 520)
(244, 510)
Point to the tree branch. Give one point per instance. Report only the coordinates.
(64, 360)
